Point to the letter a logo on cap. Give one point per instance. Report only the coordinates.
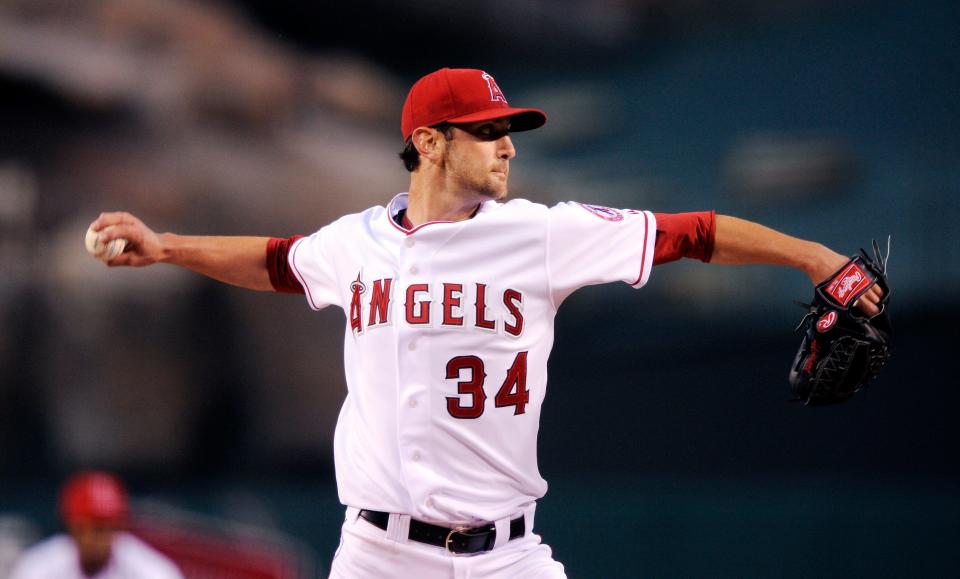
(453, 95)
(495, 93)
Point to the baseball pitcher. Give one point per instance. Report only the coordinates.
(449, 293)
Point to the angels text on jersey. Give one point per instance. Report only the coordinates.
(455, 304)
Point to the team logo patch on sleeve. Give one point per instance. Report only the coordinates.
(605, 213)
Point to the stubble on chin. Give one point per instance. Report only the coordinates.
(488, 188)
(493, 193)
(496, 188)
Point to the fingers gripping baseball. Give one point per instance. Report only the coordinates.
(142, 244)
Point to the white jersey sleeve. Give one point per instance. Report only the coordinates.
(312, 262)
(590, 244)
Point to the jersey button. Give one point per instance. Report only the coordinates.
(410, 242)
(416, 456)
(414, 270)
(412, 346)
(412, 403)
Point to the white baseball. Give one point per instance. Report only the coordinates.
(103, 251)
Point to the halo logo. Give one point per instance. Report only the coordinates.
(357, 287)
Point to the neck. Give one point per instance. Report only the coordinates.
(427, 203)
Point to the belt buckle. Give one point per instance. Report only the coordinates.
(449, 539)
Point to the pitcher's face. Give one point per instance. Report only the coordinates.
(477, 158)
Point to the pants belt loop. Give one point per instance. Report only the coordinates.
(503, 531)
(403, 528)
(528, 514)
(398, 528)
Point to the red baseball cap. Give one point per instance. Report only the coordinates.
(462, 95)
(94, 497)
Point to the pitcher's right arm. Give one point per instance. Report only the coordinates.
(239, 261)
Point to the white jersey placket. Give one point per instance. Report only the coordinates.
(415, 364)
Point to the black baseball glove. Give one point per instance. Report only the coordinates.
(842, 348)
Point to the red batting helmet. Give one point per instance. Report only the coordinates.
(94, 497)
(462, 95)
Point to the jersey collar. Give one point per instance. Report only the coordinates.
(398, 205)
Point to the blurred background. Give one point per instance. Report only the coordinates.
(667, 436)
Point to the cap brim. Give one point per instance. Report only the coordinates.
(520, 119)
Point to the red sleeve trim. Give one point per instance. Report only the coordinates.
(689, 235)
(278, 266)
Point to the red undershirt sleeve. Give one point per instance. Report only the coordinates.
(278, 266)
(688, 235)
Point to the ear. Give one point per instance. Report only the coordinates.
(429, 143)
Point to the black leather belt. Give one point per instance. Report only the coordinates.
(459, 541)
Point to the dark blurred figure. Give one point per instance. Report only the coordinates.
(94, 510)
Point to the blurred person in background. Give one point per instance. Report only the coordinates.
(94, 510)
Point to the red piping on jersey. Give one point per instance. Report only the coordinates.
(643, 255)
(296, 246)
(415, 229)
(407, 231)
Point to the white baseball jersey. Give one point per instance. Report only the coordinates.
(57, 558)
(449, 327)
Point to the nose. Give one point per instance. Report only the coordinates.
(505, 148)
